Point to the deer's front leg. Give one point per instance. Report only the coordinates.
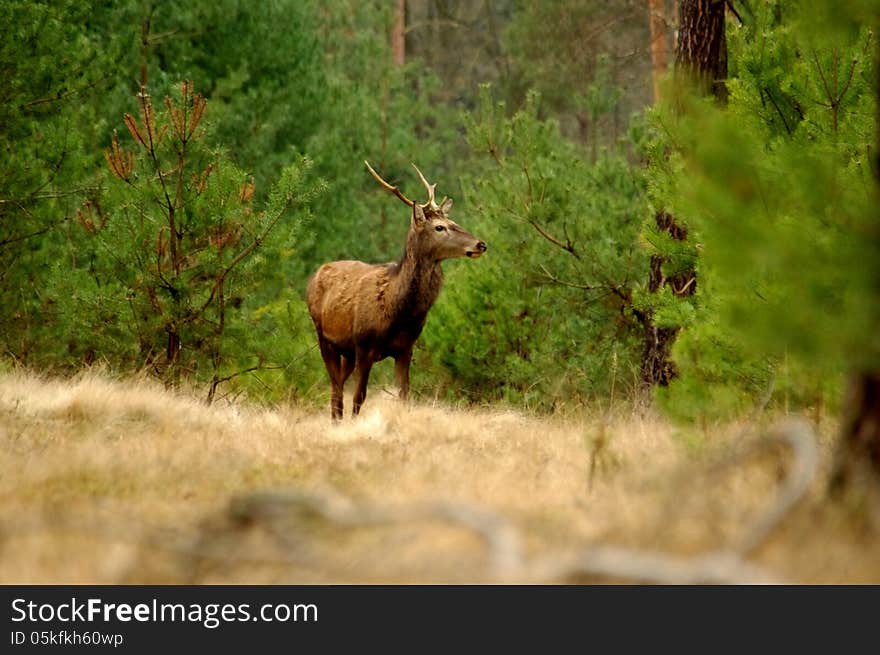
(362, 366)
(401, 368)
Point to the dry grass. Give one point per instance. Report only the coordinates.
(122, 482)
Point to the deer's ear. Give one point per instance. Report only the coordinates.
(418, 216)
(446, 205)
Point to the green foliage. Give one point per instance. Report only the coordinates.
(56, 58)
(190, 259)
(539, 319)
(602, 95)
(670, 306)
(377, 112)
(574, 53)
(259, 64)
(164, 261)
(274, 93)
(779, 191)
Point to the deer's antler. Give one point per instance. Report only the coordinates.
(429, 187)
(397, 192)
(389, 187)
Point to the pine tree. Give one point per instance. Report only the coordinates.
(159, 273)
(701, 61)
(782, 192)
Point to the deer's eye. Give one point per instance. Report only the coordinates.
(440, 228)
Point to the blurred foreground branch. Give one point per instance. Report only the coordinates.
(501, 538)
(721, 566)
(798, 436)
(506, 560)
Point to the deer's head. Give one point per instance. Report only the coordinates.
(436, 236)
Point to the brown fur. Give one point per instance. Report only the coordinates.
(364, 313)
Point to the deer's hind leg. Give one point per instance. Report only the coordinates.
(347, 366)
(345, 369)
(333, 360)
(401, 368)
(363, 364)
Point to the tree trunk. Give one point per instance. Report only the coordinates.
(172, 356)
(857, 461)
(657, 367)
(658, 26)
(145, 50)
(398, 34)
(857, 464)
(701, 50)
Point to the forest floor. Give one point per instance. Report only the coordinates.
(107, 482)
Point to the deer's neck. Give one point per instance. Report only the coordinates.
(416, 285)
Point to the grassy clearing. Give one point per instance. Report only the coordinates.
(103, 481)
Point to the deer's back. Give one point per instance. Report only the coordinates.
(347, 301)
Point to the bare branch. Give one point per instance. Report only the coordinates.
(778, 110)
(573, 285)
(63, 95)
(828, 92)
(433, 23)
(282, 514)
(798, 437)
(216, 382)
(502, 539)
(568, 247)
(241, 256)
(51, 195)
(647, 566)
(684, 287)
(733, 10)
(29, 235)
(849, 79)
(528, 182)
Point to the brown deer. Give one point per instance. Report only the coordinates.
(364, 313)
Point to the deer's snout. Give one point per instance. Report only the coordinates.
(478, 250)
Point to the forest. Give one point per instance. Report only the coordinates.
(680, 201)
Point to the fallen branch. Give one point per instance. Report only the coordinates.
(502, 540)
(799, 438)
(645, 566)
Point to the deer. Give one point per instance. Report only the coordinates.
(364, 313)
